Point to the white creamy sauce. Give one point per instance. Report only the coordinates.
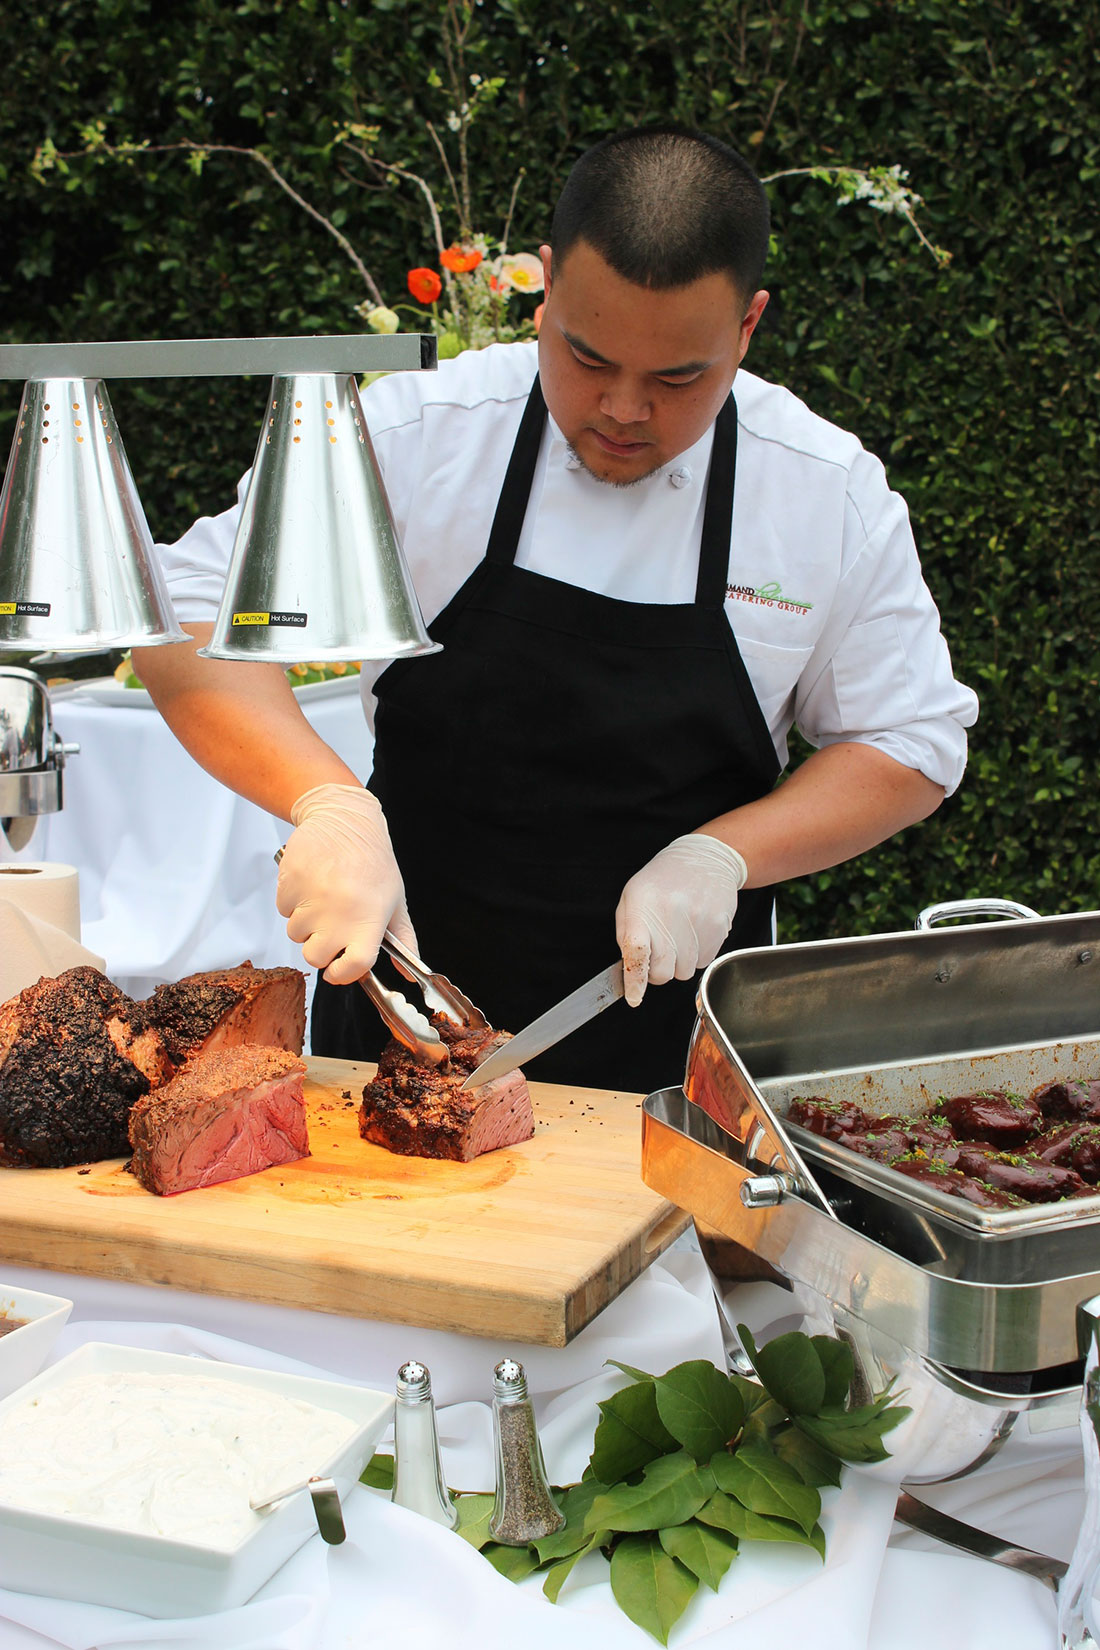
(163, 1455)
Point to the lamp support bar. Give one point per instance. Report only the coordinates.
(221, 357)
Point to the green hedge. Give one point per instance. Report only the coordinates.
(976, 381)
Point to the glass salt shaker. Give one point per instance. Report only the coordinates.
(523, 1508)
(418, 1481)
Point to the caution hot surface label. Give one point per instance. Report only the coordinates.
(297, 620)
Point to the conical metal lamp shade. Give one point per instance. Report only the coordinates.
(316, 570)
(76, 566)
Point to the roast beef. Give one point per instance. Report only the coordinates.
(229, 1112)
(226, 1008)
(71, 1066)
(422, 1111)
(76, 1052)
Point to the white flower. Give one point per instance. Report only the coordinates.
(380, 319)
(522, 271)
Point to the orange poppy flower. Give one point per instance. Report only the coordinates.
(460, 259)
(425, 285)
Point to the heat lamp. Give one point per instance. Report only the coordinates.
(316, 572)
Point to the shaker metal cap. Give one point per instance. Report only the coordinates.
(414, 1380)
(509, 1380)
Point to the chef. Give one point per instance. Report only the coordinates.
(644, 565)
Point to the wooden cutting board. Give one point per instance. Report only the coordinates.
(528, 1243)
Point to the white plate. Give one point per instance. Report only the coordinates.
(65, 1557)
(104, 690)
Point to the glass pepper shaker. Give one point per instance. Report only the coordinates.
(418, 1481)
(523, 1508)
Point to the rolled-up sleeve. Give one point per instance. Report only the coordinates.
(881, 671)
(195, 566)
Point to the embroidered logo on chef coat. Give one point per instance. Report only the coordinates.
(767, 595)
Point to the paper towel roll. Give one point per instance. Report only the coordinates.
(50, 893)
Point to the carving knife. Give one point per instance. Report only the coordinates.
(573, 1011)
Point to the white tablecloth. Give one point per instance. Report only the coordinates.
(176, 872)
(401, 1581)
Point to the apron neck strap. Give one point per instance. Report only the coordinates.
(512, 503)
(714, 546)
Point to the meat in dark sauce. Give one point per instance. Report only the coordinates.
(993, 1148)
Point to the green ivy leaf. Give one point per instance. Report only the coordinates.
(839, 1366)
(853, 1434)
(514, 1562)
(725, 1512)
(765, 1484)
(813, 1464)
(650, 1587)
(474, 1513)
(557, 1576)
(630, 1433)
(378, 1473)
(574, 1504)
(791, 1369)
(672, 1490)
(762, 1413)
(628, 1369)
(700, 1406)
(704, 1550)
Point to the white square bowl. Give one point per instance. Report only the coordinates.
(24, 1351)
(65, 1557)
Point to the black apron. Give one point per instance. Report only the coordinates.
(558, 742)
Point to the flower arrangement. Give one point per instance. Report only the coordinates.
(468, 299)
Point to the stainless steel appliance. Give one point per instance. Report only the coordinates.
(32, 755)
(982, 1316)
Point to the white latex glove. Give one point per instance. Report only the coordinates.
(339, 883)
(675, 912)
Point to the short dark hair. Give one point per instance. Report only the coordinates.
(665, 205)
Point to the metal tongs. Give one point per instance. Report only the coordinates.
(406, 1022)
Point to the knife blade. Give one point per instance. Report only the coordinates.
(573, 1011)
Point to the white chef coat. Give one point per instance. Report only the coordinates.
(825, 595)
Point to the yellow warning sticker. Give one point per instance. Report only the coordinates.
(251, 618)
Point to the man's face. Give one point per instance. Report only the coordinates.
(632, 376)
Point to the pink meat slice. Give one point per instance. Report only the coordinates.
(228, 1113)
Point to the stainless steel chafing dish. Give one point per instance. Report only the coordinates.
(991, 1296)
(983, 1316)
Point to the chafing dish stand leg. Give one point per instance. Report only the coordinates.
(1077, 1613)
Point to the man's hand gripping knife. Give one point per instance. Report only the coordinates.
(675, 912)
(339, 883)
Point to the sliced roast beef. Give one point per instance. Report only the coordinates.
(1074, 1146)
(1069, 1102)
(229, 1112)
(830, 1118)
(932, 1172)
(69, 1071)
(1006, 1120)
(225, 1008)
(422, 1111)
